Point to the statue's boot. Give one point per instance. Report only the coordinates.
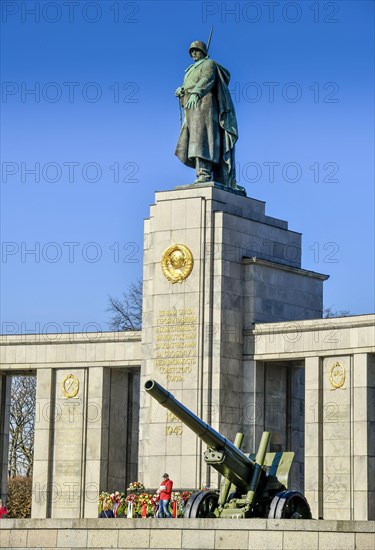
(203, 170)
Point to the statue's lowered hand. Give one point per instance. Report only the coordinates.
(180, 91)
(192, 101)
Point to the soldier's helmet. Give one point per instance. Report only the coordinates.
(198, 45)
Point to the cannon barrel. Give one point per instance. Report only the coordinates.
(266, 494)
(237, 467)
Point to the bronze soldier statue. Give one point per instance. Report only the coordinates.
(209, 130)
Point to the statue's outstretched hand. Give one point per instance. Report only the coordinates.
(179, 92)
(192, 102)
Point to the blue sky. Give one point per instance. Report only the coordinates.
(101, 126)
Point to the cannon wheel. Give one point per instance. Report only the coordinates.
(289, 505)
(202, 504)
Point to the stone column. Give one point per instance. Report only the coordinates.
(337, 438)
(95, 440)
(313, 436)
(363, 437)
(42, 443)
(371, 434)
(5, 387)
(252, 406)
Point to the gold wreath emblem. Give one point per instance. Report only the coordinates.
(70, 386)
(337, 376)
(177, 263)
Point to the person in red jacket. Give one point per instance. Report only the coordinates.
(164, 492)
(3, 510)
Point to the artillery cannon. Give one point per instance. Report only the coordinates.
(253, 486)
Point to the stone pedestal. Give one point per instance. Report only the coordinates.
(247, 269)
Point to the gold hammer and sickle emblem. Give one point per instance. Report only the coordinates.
(337, 376)
(70, 386)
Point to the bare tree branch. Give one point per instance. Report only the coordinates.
(329, 312)
(127, 311)
(21, 425)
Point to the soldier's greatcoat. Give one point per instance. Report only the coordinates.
(210, 130)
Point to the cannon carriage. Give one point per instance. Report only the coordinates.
(254, 485)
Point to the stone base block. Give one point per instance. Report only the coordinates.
(256, 534)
